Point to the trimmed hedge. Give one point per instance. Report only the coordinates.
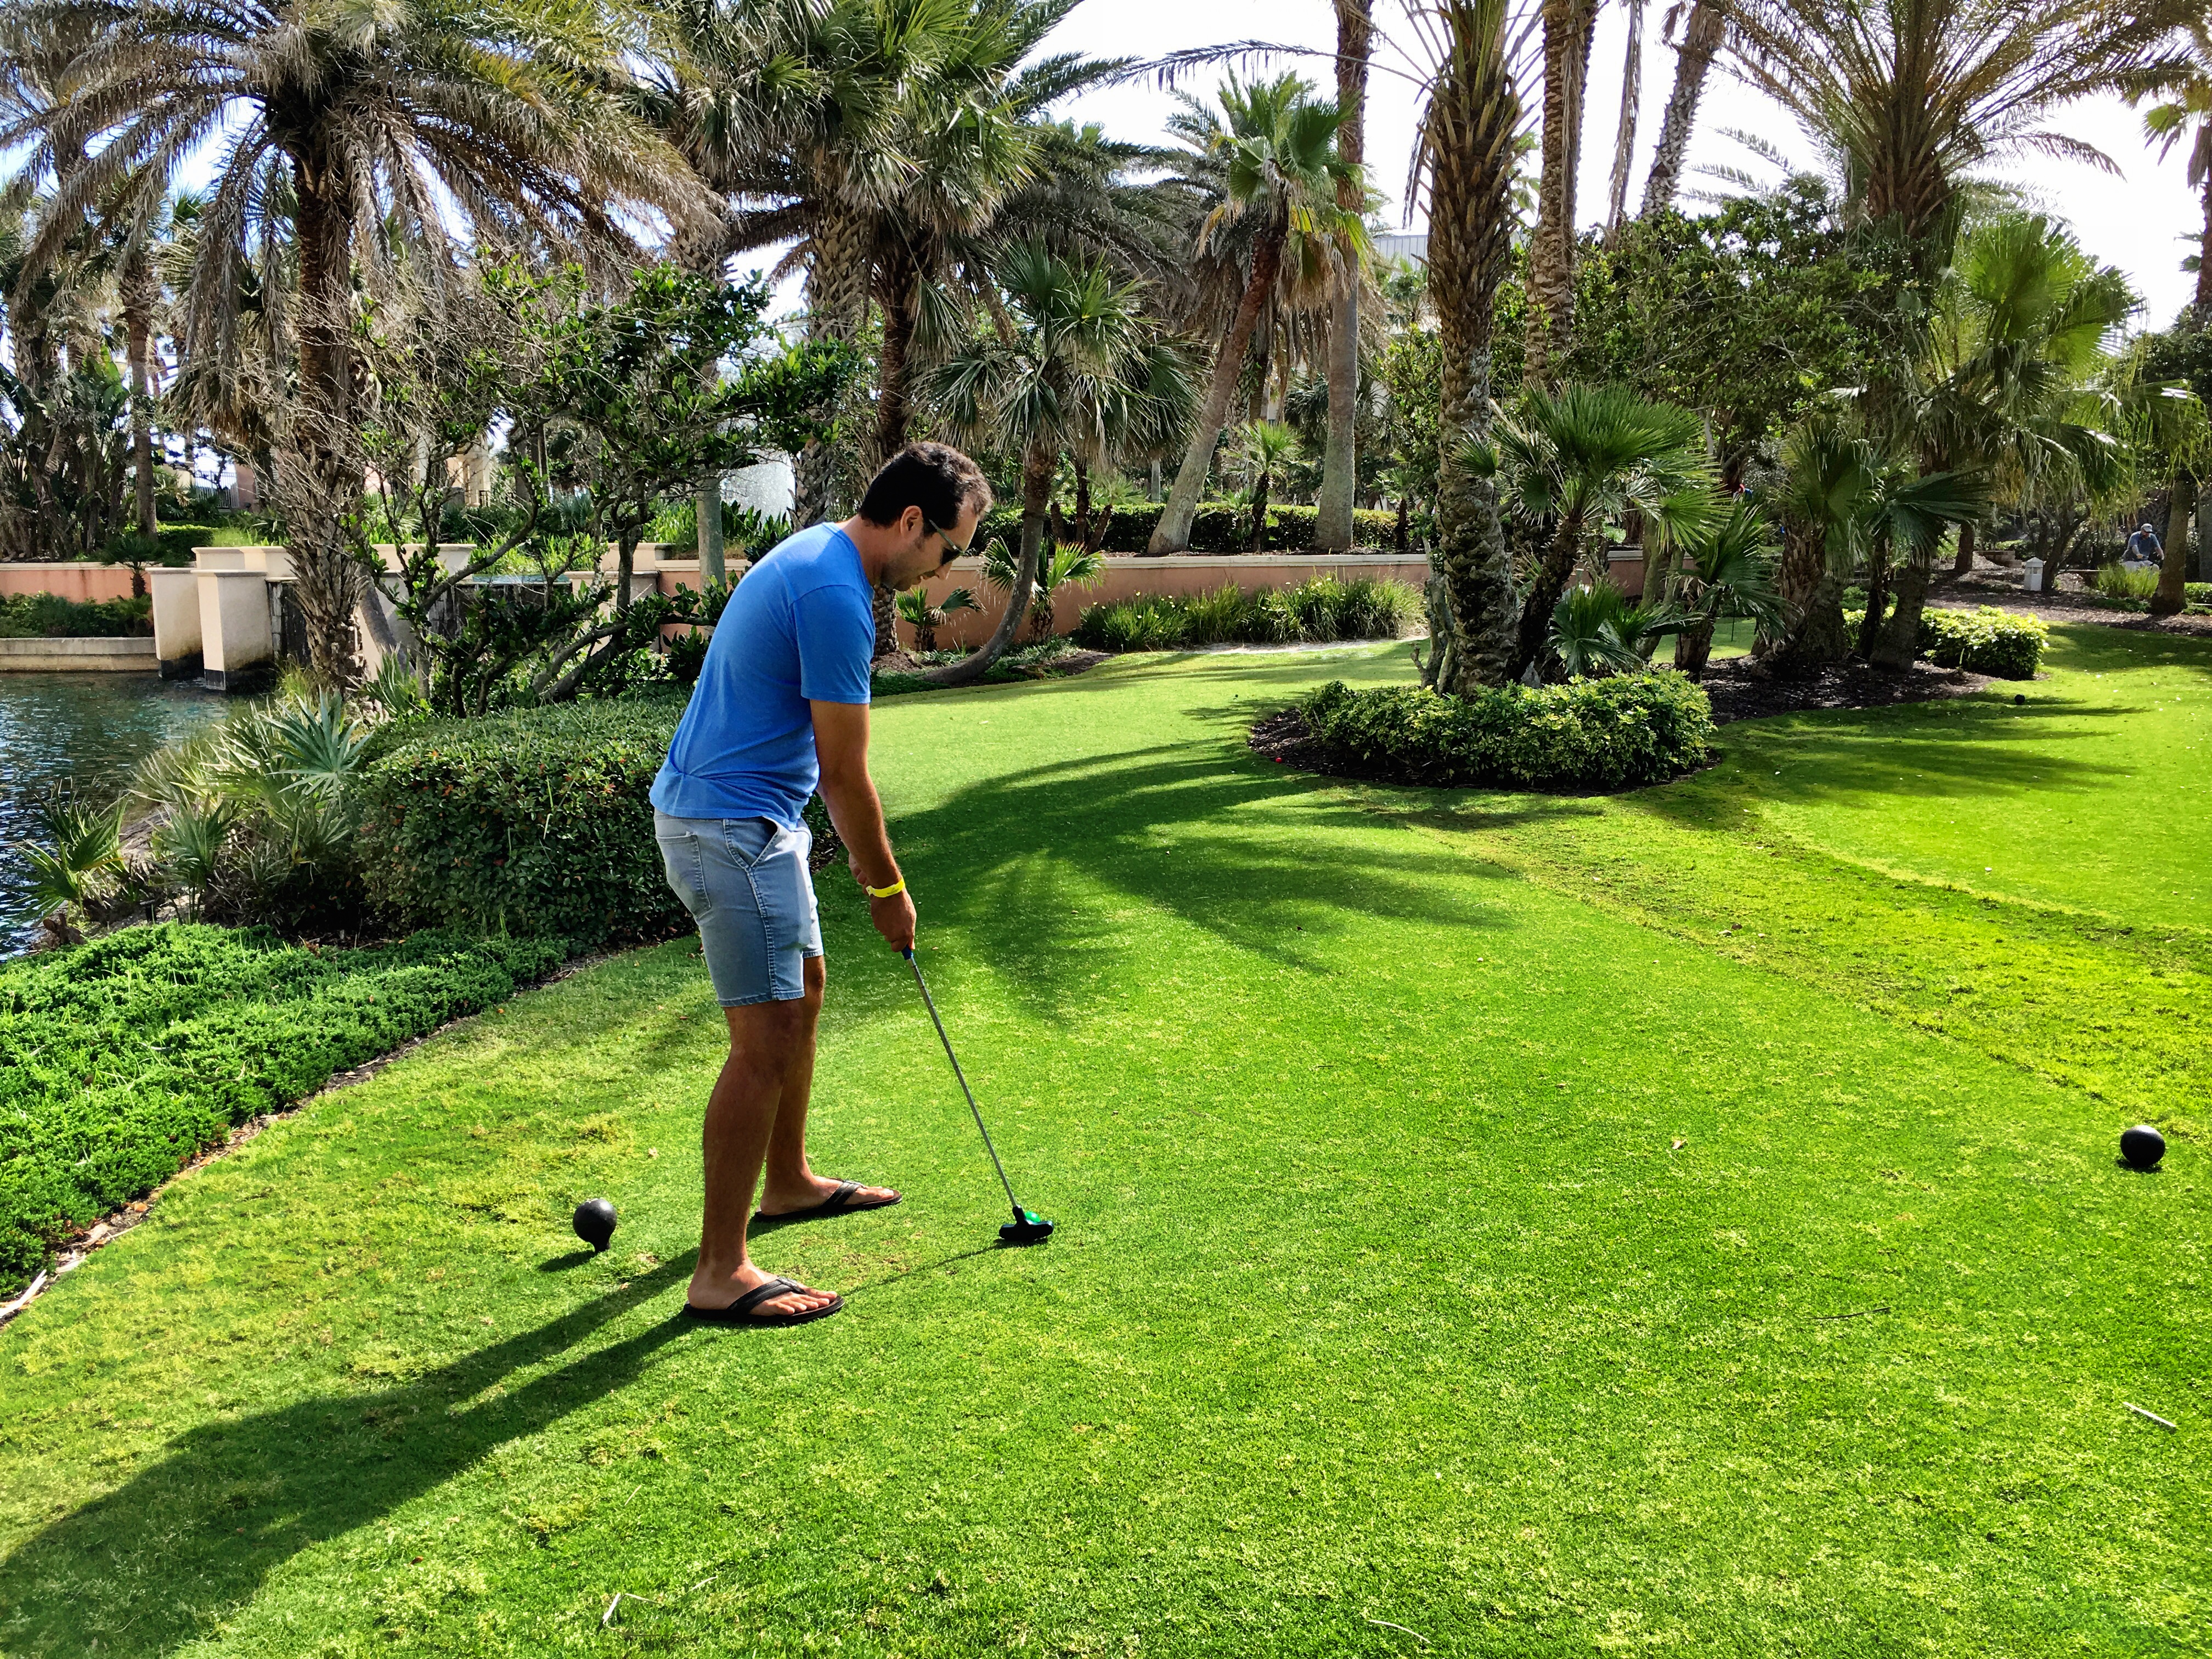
(1985, 641)
(1584, 735)
(1217, 527)
(534, 821)
(122, 1058)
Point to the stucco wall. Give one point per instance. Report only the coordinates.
(82, 582)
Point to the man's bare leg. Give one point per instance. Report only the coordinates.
(767, 1040)
(788, 1183)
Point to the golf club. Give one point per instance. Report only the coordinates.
(1027, 1227)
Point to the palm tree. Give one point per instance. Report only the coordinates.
(1827, 472)
(1589, 453)
(1567, 35)
(1907, 96)
(1063, 565)
(1281, 175)
(1264, 448)
(2186, 112)
(1466, 159)
(1080, 369)
(388, 122)
(1705, 25)
(1339, 467)
(1624, 136)
(1596, 631)
(1727, 571)
(926, 619)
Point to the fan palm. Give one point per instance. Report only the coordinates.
(390, 117)
(1908, 96)
(82, 859)
(926, 619)
(1079, 369)
(1596, 629)
(1464, 164)
(1589, 453)
(1264, 448)
(1067, 565)
(1727, 571)
(1280, 170)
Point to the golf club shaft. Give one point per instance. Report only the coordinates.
(930, 1003)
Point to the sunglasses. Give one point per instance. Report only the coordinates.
(952, 550)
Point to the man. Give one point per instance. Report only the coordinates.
(781, 707)
(2145, 546)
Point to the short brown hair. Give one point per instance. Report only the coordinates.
(935, 477)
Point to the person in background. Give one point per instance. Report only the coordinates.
(2145, 546)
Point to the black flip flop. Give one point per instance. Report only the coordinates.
(838, 1203)
(740, 1312)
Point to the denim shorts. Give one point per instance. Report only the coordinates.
(745, 882)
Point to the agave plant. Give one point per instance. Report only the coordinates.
(81, 860)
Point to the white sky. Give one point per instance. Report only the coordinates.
(2144, 220)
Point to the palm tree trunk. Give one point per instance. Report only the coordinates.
(1701, 43)
(901, 296)
(836, 302)
(1899, 642)
(1962, 561)
(1339, 467)
(322, 469)
(2203, 301)
(1172, 534)
(1544, 593)
(1693, 648)
(1472, 118)
(138, 292)
(1877, 600)
(1038, 465)
(1623, 133)
(1552, 251)
(2174, 571)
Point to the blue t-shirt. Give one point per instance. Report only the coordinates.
(801, 628)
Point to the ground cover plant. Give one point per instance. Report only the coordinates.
(126, 1056)
(1458, 1230)
(48, 616)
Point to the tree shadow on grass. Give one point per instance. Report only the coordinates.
(186, 1543)
(1248, 852)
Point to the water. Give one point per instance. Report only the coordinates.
(91, 728)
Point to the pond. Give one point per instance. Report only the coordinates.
(91, 728)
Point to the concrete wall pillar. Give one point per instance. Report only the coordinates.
(236, 651)
(176, 621)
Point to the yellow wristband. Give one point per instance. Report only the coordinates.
(898, 886)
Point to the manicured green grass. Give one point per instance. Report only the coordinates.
(1384, 1291)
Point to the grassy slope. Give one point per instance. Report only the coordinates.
(1381, 1292)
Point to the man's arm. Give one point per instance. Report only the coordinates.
(841, 743)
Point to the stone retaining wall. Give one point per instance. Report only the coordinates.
(92, 656)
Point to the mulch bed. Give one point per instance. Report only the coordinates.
(2067, 608)
(1286, 738)
(1742, 690)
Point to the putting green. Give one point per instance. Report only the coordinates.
(1464, 1248)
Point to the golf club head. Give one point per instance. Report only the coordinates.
(1031, 1229)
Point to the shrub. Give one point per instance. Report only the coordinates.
(1584, 735)
(122, 1059)
(1320, 610)
(1217, 527)
(2196, 592)
(49, 617)
(1986, 641)
(2115, 583)
(534, 821)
